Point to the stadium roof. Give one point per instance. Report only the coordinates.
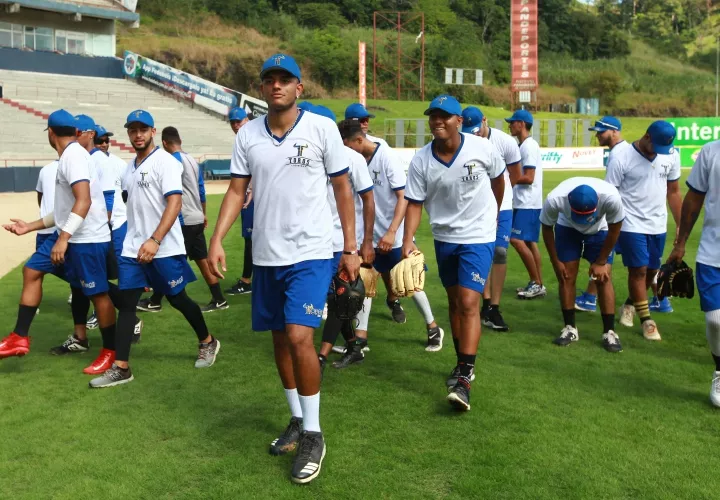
(121, 10)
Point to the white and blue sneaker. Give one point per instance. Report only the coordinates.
(660, 306)
(586, 302)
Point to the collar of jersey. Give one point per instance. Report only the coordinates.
(452, 160)
(95, 150)
(280, 140)
(641, 154)
(148, 156)
(616, 145)
(374, 153)
(489, 132)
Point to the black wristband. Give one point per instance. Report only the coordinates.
(354, 252)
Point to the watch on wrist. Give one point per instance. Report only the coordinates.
(354, 252)
(155, 240)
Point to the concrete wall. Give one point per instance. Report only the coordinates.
(18, 179)
(63, 64)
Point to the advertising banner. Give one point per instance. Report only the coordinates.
(524, 44)
(202, 92)
(695, 131)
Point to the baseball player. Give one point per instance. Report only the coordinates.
(193, 222)
(704, 190)
(459, 179)
(390, 204)
(153, 251)
(289, 154)
(238, 118)
(77, 251)
(582, 217)
(646, 174)
(474, 122)
(359, 113)
(527, 203)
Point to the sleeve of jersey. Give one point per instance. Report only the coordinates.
(78, 169)
(674, 173)
(615, 212)
(512, 152)
(497, 165)
(171, 178)
(533, 158)
(698, 180)
(38, 186)
(361, 178)
(334, 157)
(201, 185)
(614, 174)
(549, 213)
(238, 163)
(416, 188)
(395, 173)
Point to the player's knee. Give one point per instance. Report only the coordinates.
(500, 255)
(31, 274)
(180, 301)
(638, 273)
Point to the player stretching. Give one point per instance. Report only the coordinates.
(390, 205)
(474, 122)
(586, 214)
(459, 179)
(704, 189)
(77, 251)
(193, 222)
(607, 131)
(645, 174)
(527, 202)
(238, 118)
(153, 252)
(289, 154)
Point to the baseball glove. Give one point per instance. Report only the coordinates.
(675, 280)
(369, 277)
(408, 275)
(347, 297)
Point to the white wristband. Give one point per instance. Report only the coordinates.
(49, 220)
(73, 223)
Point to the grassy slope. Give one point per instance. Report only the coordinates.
(546, 422)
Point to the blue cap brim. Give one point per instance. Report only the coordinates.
(470, 129)
(584, 219)
(430, 110)
(599, 129)
(151, 125)
(278, 68)
(663, 149)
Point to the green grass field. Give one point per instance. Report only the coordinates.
(546, 422)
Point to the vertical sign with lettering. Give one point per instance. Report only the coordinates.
(362, 86)
(524, 45)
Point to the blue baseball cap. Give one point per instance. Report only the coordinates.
(322, 111)
(101, 131)
(357, 111)
(280, 62)
(662, 135)
(606, 123)
(140, 116)
(445, 103)
(472, 118)
(237, 114)
(60, 118)
(521, 115)
(583, 204)
(305, 105)
(84, 123)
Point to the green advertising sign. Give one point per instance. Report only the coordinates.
(695, 131)
(688, 155)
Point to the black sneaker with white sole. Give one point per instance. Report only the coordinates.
(147, 305)
(435, 339)
(239, 288)
(72, 345)
(459, 395)
(353, 355)
(92, 322)
(288, 440)
(137, 332)
(494, 320)
(214, 305)
(397, 311)
(114, 376)
(568, 335)
(452, 379)
(309, 457)
(611, 342)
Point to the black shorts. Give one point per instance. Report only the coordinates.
(195, 244)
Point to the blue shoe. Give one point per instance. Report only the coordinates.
(586, 302)
(660, 306)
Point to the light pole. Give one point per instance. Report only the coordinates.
(717, 74)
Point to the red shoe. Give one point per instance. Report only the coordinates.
(14, 345)
(103, 362)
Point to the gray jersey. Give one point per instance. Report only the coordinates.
(193, 190)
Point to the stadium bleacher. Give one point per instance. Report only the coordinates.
(27, 97)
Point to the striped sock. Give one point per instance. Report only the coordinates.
(643, 311)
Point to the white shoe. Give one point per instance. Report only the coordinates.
(325, 312)
(715, 390)
(650, 331)
(437, 344)
(70, 299)
(341, 349)
(627, 314)
(567, 335)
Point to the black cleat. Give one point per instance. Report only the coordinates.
(308, 461)
(72, 345)
(493, 319)
(454, 375)
(568, 335)
(459, 396)
(435, 339)
(215, 306)
(398, 313)
(239, 288)
(146, 305)
(353, 355)
(137, 332)
(323, 362)
(611, 342)
(288, 440)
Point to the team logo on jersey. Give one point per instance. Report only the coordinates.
(311, 310)
(665, 170)
(376, 181)
(477, 278)
(299, 160)
(143, 183)
(471, 167)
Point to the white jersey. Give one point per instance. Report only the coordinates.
(75, 165)
(643, 187)
(372, 138)
(705, 178)
(509, 151)
(457, 196)
(617, 148)
(111, 174)
(388, 177)
(292, 221)
(148, 185)
(556, 209)
(46, 186)
(359, 183)
(530, 195)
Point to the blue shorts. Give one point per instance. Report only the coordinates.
(167, 275)
(571, 244)
(641, 250)
(85, 264)
(40, 239)
(384, 262)
(290, 295)
(334, 265)
(246, 219)
(467, 265)
(526, 224)
(504, 228)
(118, 238)
(708, 285)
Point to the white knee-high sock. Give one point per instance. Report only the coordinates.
(712, 330)
(363, 316)
(423, 305)
(294, 403)
(311, 412)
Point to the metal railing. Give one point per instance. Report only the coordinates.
(93, 96)
(44, 160)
